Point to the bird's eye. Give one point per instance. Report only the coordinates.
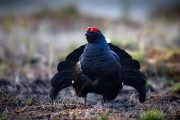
(94, 29)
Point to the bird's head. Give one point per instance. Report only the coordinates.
(93, 34)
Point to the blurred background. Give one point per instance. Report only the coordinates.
(37, 34)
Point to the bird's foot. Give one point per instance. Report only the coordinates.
(85, 99)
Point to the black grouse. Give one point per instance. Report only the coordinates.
(98, 67)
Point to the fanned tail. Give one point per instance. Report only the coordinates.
(131, 74)
(63, 78)
(134, 79)
(60, 81)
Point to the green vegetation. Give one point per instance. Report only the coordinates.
(23, 118)
(70, 11)
(29, 101)
(30, 47)
(104, 116)
(132, 46)
(4, 66)
(8, 22)
(70, 48)
(126, 43)
(2, 69)
(149, 83)
(168, 82)
(176, 89)
(172, 71)
(138, 55)
(5, 116)
(51, 56)
(152, 115)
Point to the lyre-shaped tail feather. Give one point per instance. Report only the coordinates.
(134, 79)
(131, 74)
(65, 69)
(54, 91)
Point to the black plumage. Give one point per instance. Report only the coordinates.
(98, 67)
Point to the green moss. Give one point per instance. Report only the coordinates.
(104, 116)
(3, 68)
(138, 55)
(29, 101)
(172, 71)
(149, 83)
(151, 115)
(167, 82)
(176, 89)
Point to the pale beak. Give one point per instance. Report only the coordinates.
(86, 33)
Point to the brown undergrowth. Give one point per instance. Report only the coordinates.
(14, 107)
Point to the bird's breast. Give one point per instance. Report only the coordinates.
(97, 60)
(98, 64)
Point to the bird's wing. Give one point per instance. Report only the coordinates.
(65, 70)
(116, 56)
(130, 71)
(81, 82)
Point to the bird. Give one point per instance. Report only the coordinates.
(98, 67)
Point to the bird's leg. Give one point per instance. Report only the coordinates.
(102, 101)
(85, 99)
